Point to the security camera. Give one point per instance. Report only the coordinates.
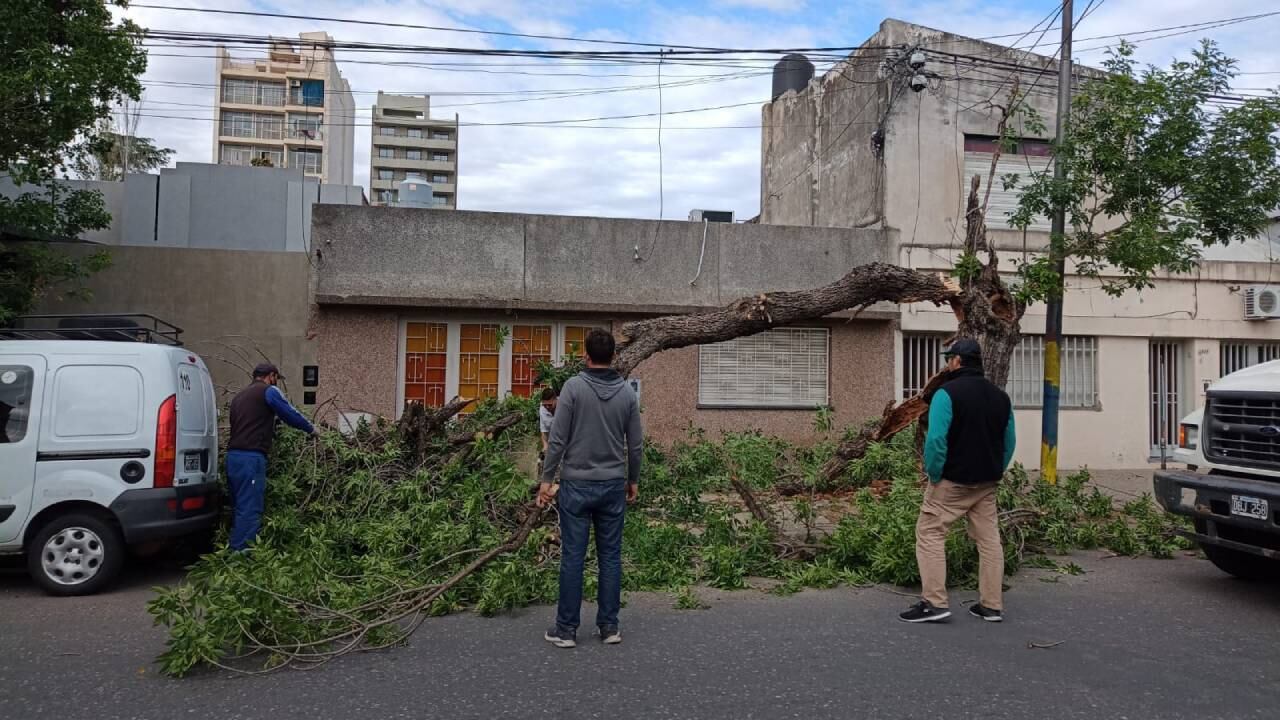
(918, 83)
(917, 60)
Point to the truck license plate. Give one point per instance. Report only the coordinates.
(191, 463)
(1250, 507)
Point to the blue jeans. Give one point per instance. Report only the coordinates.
(247, 480)
(583, 504)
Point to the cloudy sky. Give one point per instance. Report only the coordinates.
(710, 159)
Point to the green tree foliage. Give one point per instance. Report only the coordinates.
(63, 66)
(109, 154)
(1155, 171)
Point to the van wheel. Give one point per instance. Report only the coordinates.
(1245, 566)
(75, 554)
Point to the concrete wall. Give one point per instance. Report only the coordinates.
(424, 258)
(234, 307)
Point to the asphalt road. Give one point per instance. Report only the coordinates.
(1140, 639)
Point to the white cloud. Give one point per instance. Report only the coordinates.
(771, 5)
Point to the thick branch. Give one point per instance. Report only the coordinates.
(896, 418)
(418, 425)
(863, 286)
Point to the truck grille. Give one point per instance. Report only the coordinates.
(1243, 429)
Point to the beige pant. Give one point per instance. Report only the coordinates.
(945, 503)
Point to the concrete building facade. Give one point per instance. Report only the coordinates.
(292, 109)
(876, 155)
(406, 141)
(420, 306)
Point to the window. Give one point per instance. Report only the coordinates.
(252, 92)
(16, 384)
(426, 354)
(268, 127)
(441, 179)
(921, 360)
(275, 157)
(1078, 363)
(530, 345)
(783, 368)
(96, 401)
(384, 130)
(307, 160)
(415, 132)
(386, 196)
(386, 152)
(478, 363)
(439, 200)
(440, 135)
(401, 113)
(440, 157)
(386, 174)
(237, 124)
(307, 126)
(271, 93)
(1233, 356)
(413, 154)
(306, 92)
(235, 155)
(1027, 156)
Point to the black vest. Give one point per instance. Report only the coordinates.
(253, 422)
(979, 416)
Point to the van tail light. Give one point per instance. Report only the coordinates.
(167, 443)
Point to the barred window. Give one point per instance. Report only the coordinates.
(921, 358)
(783, 368)
(1233, 356)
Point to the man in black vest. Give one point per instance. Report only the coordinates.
(253, 426)
(969, 444)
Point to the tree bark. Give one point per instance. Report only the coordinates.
(861, 287)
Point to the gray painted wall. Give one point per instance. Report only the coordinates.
(223, 207)
(424, 257)
(234, 307)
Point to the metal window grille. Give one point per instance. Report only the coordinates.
(921, 359)
(1165, 380)
(1003, 201)
(308, 160)
(787, 367)
(1233, 356)
(235, 155)
(1078, 361)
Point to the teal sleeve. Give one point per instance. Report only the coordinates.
(1010, 440)
(935, 443)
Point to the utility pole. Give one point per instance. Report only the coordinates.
(1053, 319)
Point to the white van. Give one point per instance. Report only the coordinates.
(103, 445)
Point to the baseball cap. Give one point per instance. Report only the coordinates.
(265, 369)
(964, 347)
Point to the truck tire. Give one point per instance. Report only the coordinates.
(75, 554)
(1243, 565)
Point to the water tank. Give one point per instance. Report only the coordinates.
(793, 72)
(414, 191)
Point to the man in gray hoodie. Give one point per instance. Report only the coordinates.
(596, 444)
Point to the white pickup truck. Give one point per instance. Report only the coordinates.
(1231, 487)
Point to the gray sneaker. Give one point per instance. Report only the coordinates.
(560, 637)
(609, 634)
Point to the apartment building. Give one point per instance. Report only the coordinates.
(291, 109)
(406, 141)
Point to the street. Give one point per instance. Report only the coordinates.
(1139, 639)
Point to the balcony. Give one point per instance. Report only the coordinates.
(295, 137)
(407, 164)
(449, 125)
(442, 188)
(423, 143)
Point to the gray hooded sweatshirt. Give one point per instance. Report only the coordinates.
(596, 433)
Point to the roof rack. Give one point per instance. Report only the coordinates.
(132, 327)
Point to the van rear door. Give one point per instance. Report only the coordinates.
(21, 402)
(197, 426)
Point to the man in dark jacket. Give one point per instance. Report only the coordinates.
(596, 444)
(253, 425)
(968, 446)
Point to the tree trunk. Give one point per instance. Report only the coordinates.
(863, 286)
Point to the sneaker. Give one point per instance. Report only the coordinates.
(978, 610)
(560, 638)
(923, 612)
(609, 635)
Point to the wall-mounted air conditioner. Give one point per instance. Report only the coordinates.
(1261, 302)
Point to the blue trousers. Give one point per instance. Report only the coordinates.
(583, 505)
(247, 480)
